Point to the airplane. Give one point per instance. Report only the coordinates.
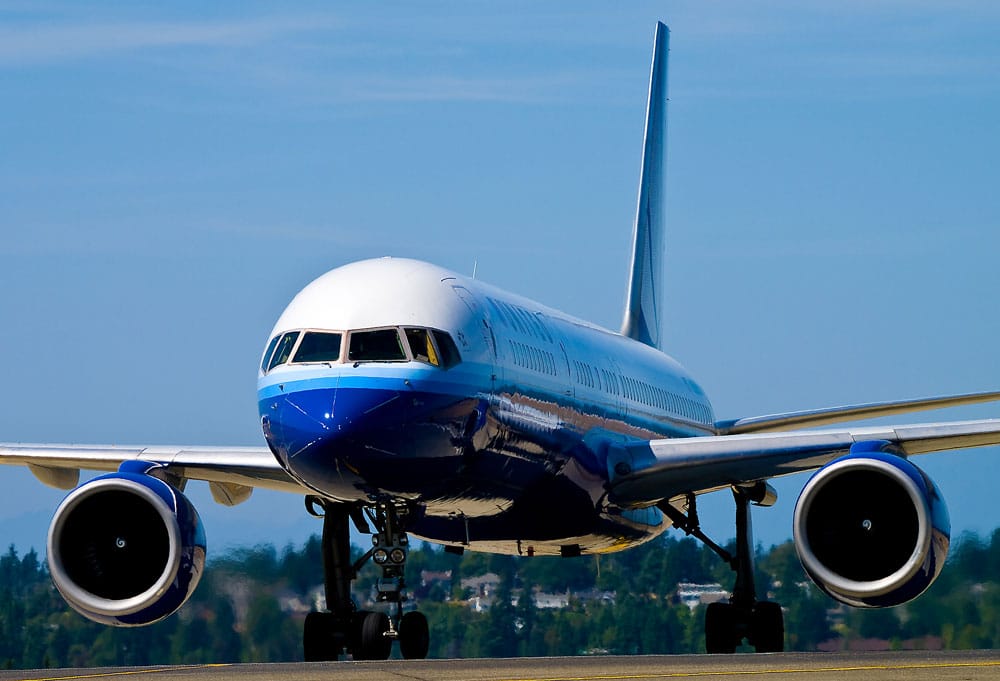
(407, 400)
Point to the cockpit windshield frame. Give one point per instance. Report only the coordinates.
(306, 336)
(380, 348)
(283, 349)
(415, 343)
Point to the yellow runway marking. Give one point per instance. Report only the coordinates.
(761, 672)
(124, 672)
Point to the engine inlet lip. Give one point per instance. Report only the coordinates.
(851, 588)
(89, 601)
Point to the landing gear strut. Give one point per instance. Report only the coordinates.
(366, 635)
(743, 617)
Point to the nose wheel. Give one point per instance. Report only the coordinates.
(365, 635)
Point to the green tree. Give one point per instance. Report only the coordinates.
(501, 627)
(271, 634)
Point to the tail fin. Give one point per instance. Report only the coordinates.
(642, 308)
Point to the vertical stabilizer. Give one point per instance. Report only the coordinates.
(642, 308)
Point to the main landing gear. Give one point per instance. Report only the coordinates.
(363, 634)
(743, 617)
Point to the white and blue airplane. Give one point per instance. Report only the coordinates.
(405, 399)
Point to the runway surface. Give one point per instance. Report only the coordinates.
(904, 666)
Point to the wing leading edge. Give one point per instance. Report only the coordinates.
(856, 412)
(646, 473)
(232, 472)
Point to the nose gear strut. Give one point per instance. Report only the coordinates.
(363, 634)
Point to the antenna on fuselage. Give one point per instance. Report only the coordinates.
(643, 304)
(475, 266)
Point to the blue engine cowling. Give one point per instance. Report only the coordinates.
(126, 549)
(871, 529)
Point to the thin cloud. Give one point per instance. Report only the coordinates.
(436, 88)
(42, 43)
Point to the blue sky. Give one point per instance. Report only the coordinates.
(171, 174)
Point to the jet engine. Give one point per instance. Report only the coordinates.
(871, 529)
(126, 549)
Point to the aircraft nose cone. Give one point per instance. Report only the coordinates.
(314, 431)
(350, 441)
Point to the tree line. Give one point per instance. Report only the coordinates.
(251, 602)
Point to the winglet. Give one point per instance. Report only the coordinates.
(642, 308)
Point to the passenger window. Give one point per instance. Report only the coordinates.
(500, 314)
(270, 351)
(318, 347)
(421, 346)
(382, 345)
(541, 325)
(511, 310)
(284, 349)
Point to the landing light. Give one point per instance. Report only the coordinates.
(397, 555)
(380, 556)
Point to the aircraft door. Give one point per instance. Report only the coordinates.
(484, 331)
(618, 393)
(570, 385)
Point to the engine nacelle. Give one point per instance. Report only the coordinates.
(126, 549)
(871, 529)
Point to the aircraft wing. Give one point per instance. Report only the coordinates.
(232, 472)
(645, 473)
(856, 412)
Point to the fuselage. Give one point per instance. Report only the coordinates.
(491, 415)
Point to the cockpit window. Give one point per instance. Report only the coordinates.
(382, 345)
(447, 351)
(422, 347)
(270, 351)
(283, 350)
(318, 346)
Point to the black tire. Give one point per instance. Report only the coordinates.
(318, 640)
(720, 629)
(353, 641)
(767, 628)
(414, 636)
(375, 645)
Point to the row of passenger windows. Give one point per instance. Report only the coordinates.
(587, 375)
(530, 357)
(640, 391)
(393, 344)
(643, 392)
(519, 319)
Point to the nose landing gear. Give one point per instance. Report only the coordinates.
(365, 635)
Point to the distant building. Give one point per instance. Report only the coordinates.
(692, 595)
(483, 585)
(429, 578)
(291, 602)
(591, 595)
(433, 584)
(546, 601)
(481, 592)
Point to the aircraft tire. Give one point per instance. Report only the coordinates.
(318, 637)
(374, 644)
(767, 627)
(720, 629)
(414, 636)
